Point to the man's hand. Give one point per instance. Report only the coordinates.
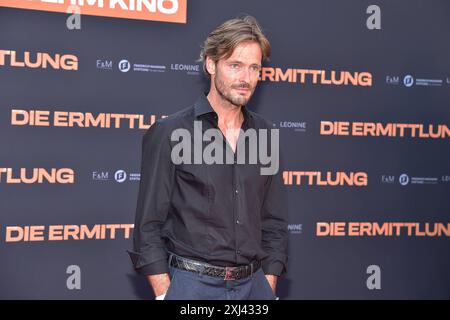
(272, 281)
(159, 282)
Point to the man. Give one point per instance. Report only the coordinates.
(213, 230)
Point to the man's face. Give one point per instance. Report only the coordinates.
(235, 78)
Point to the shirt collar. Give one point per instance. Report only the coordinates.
(202, 106)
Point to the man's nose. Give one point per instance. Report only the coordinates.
(245, 75)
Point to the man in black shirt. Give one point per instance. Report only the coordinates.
(211, 222)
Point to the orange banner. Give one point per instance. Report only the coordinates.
(156, 10)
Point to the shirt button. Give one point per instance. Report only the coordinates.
(238, 221)
(238, 251)
(237, 191)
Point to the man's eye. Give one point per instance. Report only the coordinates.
(234, 66)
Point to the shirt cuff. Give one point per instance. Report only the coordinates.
(275, 268)
(156, 267)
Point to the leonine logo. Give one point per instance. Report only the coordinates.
(158, 10)
(38, 60)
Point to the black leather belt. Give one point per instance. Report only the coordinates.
(226, 273)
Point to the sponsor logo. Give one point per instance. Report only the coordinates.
(404, 180)
(298, 126)
(190, 69)
(104, 64)
(100, 176)
(119, 176)
(394, 80)
(124, 65)
(295, 228)
(408, 81)
(148, 67)
(388, 179)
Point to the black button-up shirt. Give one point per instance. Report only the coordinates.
(223, 214)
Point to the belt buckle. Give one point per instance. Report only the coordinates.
(228, 273)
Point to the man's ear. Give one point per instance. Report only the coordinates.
(210, 66)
